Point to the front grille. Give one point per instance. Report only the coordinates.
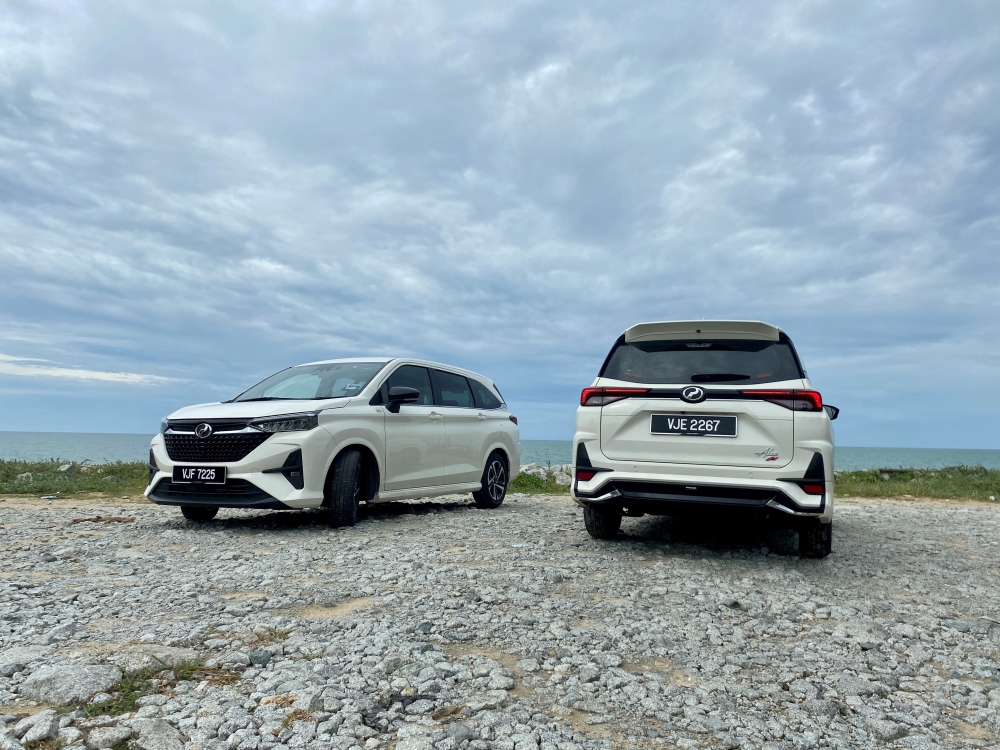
(216, 448)
(227, 424)
(234, 493)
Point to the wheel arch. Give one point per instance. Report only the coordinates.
(371, 470)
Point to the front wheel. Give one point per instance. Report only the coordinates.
(602, 521)
(816, 539)
(198, 513)
(494, 483)
(343, 490)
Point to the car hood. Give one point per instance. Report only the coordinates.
(252, 409)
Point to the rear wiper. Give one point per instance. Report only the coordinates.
(717, 377)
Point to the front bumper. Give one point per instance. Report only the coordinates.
(252, 482)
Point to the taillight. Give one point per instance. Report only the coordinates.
(812, 489)
(604, 396)
(585, 475)
(794, 400)
(512, 418)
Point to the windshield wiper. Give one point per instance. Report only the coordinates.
(717, 377)
(269, 398)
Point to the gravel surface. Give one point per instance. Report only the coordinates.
(435, 624)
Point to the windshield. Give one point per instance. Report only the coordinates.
(736, 361)
(328, 380)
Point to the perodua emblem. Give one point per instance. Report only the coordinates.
(693, 394)
(203, 430)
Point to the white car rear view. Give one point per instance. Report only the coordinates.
(716, 417)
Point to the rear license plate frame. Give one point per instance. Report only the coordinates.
(199, 475)
(694, 425)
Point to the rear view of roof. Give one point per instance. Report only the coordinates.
(702, 329)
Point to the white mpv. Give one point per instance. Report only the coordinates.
(333, 434)
(711, 416)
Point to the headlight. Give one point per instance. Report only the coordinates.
(164, 424)
(287, 422)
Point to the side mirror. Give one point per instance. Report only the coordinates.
(399, 395)
(832, 411)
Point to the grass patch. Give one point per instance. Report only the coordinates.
(296, 715)
(955, 482)
(271, 635)
(135, 685)
(56, 744)
(44, 477)
(533, 485)
(131, 688)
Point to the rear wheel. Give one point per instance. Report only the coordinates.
(494, 483)
(602, 521)
(343, 490)
(198, 513)
(816, 539)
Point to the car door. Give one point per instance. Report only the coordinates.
(464, 427)
(415, 437)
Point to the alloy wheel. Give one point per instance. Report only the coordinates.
(496, 481)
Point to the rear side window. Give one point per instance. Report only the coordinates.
(737, 361)
(412, 376)
(454, 389)
(484, 397)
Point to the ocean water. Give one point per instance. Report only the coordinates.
(100, 447)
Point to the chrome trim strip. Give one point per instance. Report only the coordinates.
(614, 493)
(789, 511)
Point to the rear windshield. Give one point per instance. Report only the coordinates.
(327, 380)
(737, 361)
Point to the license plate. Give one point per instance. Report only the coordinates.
(693, 425)
(200, 474)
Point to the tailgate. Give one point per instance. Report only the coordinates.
(764, 432)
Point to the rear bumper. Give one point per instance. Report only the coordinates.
(644, 495)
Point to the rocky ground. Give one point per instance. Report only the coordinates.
(437, 625)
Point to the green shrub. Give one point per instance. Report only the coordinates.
(956, 482)
(119, 478)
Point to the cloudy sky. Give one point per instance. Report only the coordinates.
(194, 195)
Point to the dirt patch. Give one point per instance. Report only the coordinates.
(339, 610)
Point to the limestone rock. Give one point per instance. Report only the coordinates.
(69, 683)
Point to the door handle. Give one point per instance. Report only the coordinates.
(482, 417)
(435, 415)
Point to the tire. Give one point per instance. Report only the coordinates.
(199, 513)
(602, 521)
(816, 539)
(344, 490)
(494, 482)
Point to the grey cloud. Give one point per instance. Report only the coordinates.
(212, 192)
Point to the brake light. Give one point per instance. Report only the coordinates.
(604, 396)
(794, 400)
(512, 418)
(812, 489)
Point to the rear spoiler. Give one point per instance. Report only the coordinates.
(702, 329)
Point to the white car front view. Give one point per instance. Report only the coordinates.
(333, 434)
(712, 418)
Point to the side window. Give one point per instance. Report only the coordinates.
(484, 397)
(454, 389)
(411, 376)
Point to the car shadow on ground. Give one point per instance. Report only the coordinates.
(691, 534)
(291, 519)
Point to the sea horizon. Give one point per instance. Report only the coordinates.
(102, 447)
